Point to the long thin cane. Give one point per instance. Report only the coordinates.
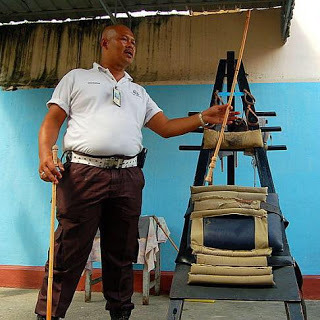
(51, 250)
(164, 231)
(234, 82)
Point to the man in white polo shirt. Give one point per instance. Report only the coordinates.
(101, 183)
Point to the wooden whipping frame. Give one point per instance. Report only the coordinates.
(286, 272)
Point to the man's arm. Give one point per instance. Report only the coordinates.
(167, 128)
(48, 136)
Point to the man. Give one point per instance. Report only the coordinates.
(101, 185)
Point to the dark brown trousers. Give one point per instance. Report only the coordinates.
(87, 198)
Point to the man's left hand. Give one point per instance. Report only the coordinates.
(215, 114)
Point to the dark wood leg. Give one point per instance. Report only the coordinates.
(294, 311)
(175, 309)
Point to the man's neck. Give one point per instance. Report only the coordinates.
(116, 71)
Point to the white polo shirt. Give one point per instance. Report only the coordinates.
(96, 125)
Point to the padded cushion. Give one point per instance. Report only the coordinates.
(275, 232)
(233, 232)
(233, 140)
(236, 232)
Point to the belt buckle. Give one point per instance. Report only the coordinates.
(119, 163)
(111, 163)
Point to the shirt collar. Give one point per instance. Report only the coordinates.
(98, 67)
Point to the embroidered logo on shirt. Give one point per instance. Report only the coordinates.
(93, 82)
(136, 93)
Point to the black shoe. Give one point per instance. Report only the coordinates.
(120, 314)
(44, 318)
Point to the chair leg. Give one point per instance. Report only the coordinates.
(87, 288)
(145, 285)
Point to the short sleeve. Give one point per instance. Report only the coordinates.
(152, 109)
(62, 93)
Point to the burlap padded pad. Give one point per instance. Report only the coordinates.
(225, 203)
(232, 261)
(232, 280)
(230, 253)
(233, 140)
(198, 189)
(229, 236)
(220, 212)
(229, 271)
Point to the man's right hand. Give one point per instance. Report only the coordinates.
(48, 171)
(47, 138)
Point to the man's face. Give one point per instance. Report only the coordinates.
(120, 45)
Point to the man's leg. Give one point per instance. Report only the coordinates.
(78, 213)
(73, 243)
(119, 238)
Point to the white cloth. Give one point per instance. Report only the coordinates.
(160, 234)
(96, 125)
(149, 246)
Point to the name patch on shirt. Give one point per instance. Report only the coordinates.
(93, 82)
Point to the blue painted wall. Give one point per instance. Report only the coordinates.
(25, 207)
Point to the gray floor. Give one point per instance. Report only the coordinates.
(18, 304)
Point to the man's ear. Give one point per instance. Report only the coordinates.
(104, 43)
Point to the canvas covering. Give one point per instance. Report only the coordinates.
(233, 140)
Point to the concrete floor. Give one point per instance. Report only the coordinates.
(18, 304)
